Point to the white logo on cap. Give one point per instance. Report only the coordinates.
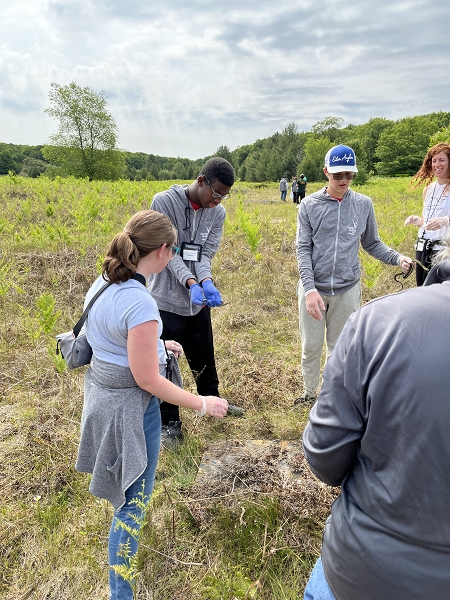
(344, 158)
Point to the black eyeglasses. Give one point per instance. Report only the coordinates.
(339, 176)
(175, 250)
(214, 193)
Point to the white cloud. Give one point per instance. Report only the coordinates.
(183, 77)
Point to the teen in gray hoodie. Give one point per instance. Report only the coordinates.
(331, 224)
(184, 291)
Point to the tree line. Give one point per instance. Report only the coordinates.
(382, 147)
(85, 145)
(28, 161)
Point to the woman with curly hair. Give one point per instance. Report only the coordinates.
(435, 220)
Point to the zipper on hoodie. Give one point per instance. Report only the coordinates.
(335, 249)
(192, 242)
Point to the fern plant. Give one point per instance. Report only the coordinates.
(129, 568)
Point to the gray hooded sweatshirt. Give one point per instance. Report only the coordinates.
(380, 430)
(205, 227)
(328, 235)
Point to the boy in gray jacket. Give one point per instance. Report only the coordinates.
(330, 225)
(184, 290)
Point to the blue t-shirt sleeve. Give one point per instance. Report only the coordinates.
(120, 308)
(134, 307)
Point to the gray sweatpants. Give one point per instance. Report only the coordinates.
(312, 333)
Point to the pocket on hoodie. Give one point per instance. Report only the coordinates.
(344, 272)
(114, 466)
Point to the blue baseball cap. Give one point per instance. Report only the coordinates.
(340, 158)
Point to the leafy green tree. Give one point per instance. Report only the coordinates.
(369, 134)
(36, 153)
(32, 167)
(86, 142)
(6, 162)
(165, 175)
(179, 171)
(224, 152)
(251, 167)
(238, 157)
(137, 160)
(154, 171)
(440, 136)
(289, 149)
(441, 119)
(401, 149)
(313, 159)
(268, 159)
(329, 127)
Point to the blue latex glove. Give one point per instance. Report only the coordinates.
(197, 296)
(212, 294)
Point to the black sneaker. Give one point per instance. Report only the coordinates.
(171, 434)
(234, 411)
(305, 399)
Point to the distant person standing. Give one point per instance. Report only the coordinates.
(295, 190)
(301, 188)
(434, 222)
(283, 188)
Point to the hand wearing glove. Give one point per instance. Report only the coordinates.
(212, 294)
(436, 223)
(213, 406)
(413, 220)
(197, 296)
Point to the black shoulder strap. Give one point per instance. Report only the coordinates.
(79, 325)
(140, 278)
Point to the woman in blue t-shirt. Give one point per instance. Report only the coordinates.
(121, 423)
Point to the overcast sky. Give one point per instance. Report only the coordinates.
(183, 77)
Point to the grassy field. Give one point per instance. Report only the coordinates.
(215, 541)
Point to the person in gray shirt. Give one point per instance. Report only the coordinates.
(380, 430)
(283, 188)
(185, 291)
(330, 226)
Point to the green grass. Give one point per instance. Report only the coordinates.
(198, 543)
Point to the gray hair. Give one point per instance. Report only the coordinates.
(443, 254)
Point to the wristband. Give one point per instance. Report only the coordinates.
(310, 292)
(202, 411)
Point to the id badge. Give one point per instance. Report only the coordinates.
(191, 251)
(419, 245)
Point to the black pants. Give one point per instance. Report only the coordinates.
(426, 258)
(295, 199)
(195, 334)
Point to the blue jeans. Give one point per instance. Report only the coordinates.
(283, 195)
(119, 588)
(317, 587)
